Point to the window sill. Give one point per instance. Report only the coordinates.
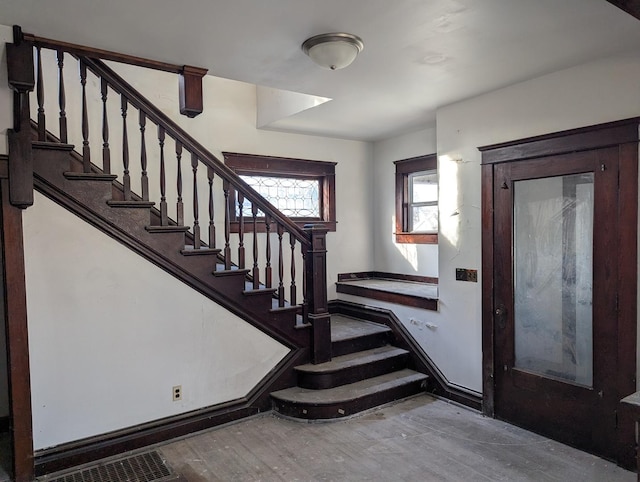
(416, 238)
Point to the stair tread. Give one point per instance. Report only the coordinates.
(352, 391)
(353, 360)
(89, 176)
(345, 328)
(189, 250)
(131, 204)
(166, 229)
(249, 291)
(234, 271)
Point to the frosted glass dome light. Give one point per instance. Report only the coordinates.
(333, 51)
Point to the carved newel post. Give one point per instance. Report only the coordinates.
(316, 293)
(22, 81)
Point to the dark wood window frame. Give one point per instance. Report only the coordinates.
(404, 168)
(322, 171)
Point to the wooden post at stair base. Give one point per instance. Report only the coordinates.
(22, 81)
(316, 275)
(191, 103)
(15, 300)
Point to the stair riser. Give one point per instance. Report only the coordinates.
(318, 381)
(51, 163)
(346, 409)
(353, 345)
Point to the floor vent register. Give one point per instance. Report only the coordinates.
(146, 467)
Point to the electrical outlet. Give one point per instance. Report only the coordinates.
(467, 275)
(177, 393)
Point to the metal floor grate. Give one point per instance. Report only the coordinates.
(146, 467)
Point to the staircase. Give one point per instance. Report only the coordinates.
(365, 372)
(342, 365)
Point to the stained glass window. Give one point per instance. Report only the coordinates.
(298, 198)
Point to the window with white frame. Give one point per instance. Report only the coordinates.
(423, 202)
(417, 200)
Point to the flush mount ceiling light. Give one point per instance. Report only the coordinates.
(333, 51)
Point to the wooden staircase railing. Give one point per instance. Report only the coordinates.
(166, 154)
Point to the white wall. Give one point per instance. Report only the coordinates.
(389, 256)
(110, 334)
(593, 93)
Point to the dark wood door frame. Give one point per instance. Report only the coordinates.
(624, 136)
(15, 308)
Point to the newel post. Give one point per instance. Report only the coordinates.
(191, 101)
(316, 295)
(22, 81)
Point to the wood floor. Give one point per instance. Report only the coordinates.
(420, 439)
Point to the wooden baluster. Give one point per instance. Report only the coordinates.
(267, 270)
(240, 230)
(126, 179)
(179, 204)
(42, 129)
(164, 216)
(212, 227)
(293, 291)
(227, 225)
(62, 98)
(256, 271)
(143, 158)
(106, 152)
(86, 151)
(280, 267)
(196, 223)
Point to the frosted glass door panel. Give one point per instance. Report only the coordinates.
(553, 277)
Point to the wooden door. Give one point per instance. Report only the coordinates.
(555, 309)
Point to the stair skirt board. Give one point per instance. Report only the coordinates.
(112, 444)
(438, 383)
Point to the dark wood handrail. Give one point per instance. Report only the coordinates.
(94, 53)
(136, 99)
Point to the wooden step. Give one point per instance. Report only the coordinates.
(131, 204)
(90, 176)
(349, 335)
(234, 271)
(345, 369)
(167, 229)
(350, 399)
(189, 250)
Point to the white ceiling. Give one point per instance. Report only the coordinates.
(418, 55)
